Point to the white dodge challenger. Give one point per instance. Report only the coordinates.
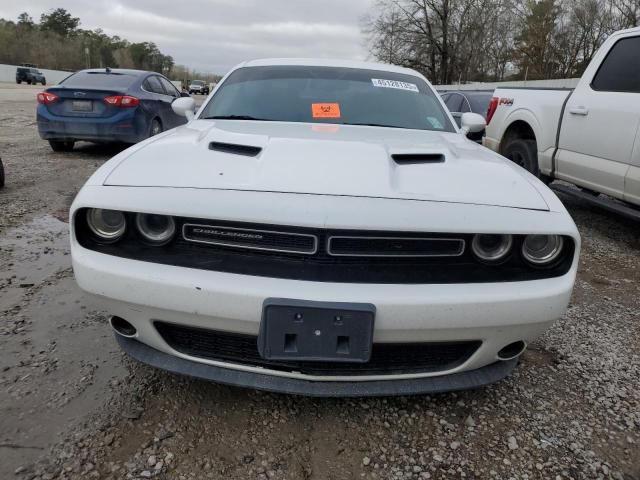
(324, 228)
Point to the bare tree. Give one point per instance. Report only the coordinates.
(475, 40)
(628, 13)
(385, 34)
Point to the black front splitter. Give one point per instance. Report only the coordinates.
(228, 376)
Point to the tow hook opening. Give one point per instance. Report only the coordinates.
(122, 327)
(512, 350)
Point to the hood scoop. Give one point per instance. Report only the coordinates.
(234, 148)
(417, 158)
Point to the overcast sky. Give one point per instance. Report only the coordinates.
(214, 35)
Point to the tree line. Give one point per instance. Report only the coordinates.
(452, 41)
(57, 42)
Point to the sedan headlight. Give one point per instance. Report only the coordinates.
(107, 225)
(542, 249)
(156, 229)
(491, 248)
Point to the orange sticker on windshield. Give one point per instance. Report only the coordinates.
(325, 110)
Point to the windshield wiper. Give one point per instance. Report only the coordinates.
(236, 117)
(370, 125)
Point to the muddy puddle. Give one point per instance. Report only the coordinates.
(58, 359)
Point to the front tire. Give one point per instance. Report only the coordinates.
(61, 145)
(524, 153)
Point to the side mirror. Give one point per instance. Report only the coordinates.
(184, 93)
(472, 123)
(185, 107)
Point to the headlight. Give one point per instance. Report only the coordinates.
(491, 248)
(107, 225)
(157, 229)
(542, 249)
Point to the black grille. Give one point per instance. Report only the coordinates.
(386, 358)
(363, 246)
(290, 257)
(248, 238)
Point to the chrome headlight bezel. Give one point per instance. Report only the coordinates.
(104, 232)
(548, 258)
(157, 238)
(500, 254)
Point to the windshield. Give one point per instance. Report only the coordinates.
(198, 82)
(347, 96)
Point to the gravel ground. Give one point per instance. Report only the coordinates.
(72, 406)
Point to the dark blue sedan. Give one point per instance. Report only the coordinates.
(106, 105)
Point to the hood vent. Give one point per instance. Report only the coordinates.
(417, 158)
(246, 150)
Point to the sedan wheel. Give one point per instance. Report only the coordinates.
(156, 127)
(61, 145)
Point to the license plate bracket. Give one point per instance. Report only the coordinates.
(311, 331)
(82, 105)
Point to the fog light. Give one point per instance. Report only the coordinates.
(107, 225)
(542, 249)
(157, 229)
(491, 248)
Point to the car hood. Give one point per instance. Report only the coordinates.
(324, 159)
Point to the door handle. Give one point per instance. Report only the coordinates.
(579, 111)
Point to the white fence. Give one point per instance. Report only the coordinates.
(8, 74)
(559, 83)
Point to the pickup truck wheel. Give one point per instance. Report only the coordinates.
(523, 153)
(61, 145)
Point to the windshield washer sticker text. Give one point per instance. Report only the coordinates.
(378, 82)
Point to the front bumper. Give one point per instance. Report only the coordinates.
(495, 314)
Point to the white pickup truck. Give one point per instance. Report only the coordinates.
(588, 136)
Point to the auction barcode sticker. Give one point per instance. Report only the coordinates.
(378, 82)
